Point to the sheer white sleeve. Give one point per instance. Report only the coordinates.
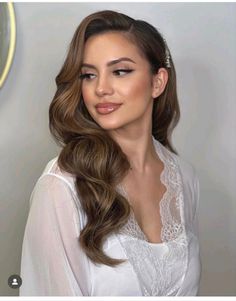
(52, 262)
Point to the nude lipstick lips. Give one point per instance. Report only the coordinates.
(107, 108)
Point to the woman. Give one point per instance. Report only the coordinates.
(115, 214)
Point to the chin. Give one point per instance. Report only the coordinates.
(109, 127)
(108, 123)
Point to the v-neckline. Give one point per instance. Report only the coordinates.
(153, 262)
(132, 217)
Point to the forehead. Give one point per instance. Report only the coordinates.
(109, 46)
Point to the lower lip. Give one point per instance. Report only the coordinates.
(107, 110)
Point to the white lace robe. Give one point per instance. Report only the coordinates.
(53, 264)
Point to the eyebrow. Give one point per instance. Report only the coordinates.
(113, 62)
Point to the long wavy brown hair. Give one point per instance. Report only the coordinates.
(88, 152)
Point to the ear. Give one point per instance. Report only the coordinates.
(159, 82)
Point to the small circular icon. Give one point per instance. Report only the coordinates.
(14, 281)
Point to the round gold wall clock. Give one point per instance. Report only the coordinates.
(7, 39)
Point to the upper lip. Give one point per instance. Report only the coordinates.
(107, 104)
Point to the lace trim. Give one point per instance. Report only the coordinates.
(155, 273)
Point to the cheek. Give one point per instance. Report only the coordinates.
(138, 90)
(87, 95)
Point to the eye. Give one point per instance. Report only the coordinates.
(87, 76)
(121, 72)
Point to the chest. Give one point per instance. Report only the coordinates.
(144, 196)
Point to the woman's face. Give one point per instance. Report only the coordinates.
(117, 85)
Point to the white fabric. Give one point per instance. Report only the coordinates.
(53, 264)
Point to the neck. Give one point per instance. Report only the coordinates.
(139, 150)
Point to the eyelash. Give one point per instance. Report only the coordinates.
(123, 70)
(86, 75)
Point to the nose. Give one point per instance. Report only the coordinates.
(103, 86)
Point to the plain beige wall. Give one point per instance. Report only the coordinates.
(202, 40)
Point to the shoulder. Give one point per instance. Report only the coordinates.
(52, 173)
(188, 173)
(56, 189)
(190, 181)
(55, 185)
(187, 169)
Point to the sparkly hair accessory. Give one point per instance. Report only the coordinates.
(167, 55)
